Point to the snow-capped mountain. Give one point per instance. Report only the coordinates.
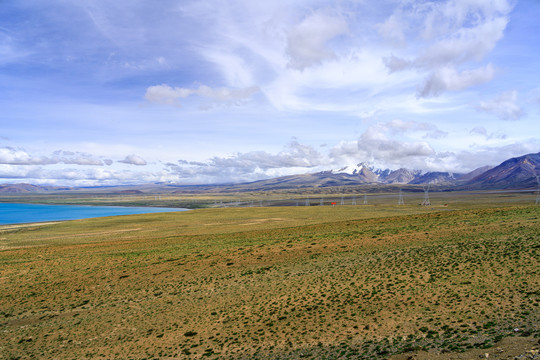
(368, 174)
(362, 171)
(351, 169)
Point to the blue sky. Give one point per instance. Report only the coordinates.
(209, 91)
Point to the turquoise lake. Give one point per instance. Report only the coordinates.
(29, 213)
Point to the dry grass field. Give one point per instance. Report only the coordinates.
(272, 283)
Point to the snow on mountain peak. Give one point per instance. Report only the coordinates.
(351, 169)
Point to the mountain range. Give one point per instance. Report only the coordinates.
(516, 173)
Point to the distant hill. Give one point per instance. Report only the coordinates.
(436, 177)
(515, 173)
(28, 188)
(321, 179)
(469, 176)
(129, 192)
(400, 176)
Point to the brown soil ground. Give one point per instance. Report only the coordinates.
(509, 348)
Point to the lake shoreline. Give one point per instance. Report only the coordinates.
(12, 214)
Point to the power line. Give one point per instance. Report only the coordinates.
(426, 201)
(533, 170)
(400, 200)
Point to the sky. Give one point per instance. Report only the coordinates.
(100, 92)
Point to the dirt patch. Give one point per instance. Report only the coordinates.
(20, 226)
(35, 319)
(508, 348)
(260, 221)
(97, 233)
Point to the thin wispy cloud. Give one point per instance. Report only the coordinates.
(505, 106)
(164, 94)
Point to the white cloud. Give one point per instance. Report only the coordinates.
(75, 158)
(394, 63)
(478, 156)
(11, 156)
(95, 176)
(393, 144)
(444, 37)
(237, 71)
(504, 106)
(441, 18)
(307, 43)
(479, 130)
(482, 131)
(393, 29)
(164, 94)
(465, 45)
(251, 165)
(342, 84)
(134, 160)
(534, 96)
(449, 79)
(383, 149)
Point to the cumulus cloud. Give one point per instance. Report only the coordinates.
(504, 106)
(134, 160)
(307, 43)
(75, 158)
(87, 176)
(167, 95)
(253, 164)
(387, 145)
(294, 155)
(449, 79)
(387, 150)
(384, 146)
(295, 158)
(12, 156)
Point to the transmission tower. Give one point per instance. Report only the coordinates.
(537, 191)
(400, 200)
(322, 202)
(365, 199)
(342, 201)
(353, 202)
(307, 202)
(426, 201)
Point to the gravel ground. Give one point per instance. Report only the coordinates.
(510, 348)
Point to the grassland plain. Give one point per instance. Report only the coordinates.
(270, 283)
